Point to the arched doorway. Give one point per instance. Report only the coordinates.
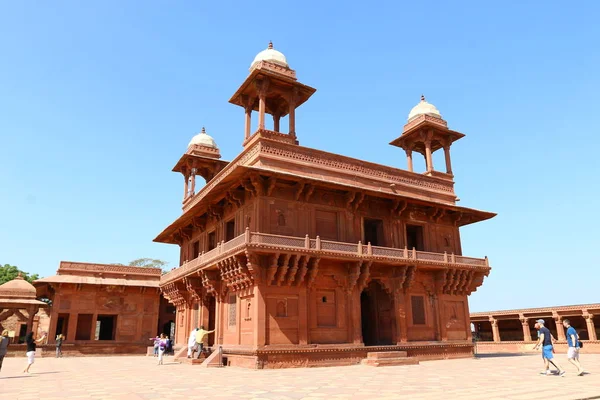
(377, 315)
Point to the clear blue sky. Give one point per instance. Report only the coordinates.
(98, 100)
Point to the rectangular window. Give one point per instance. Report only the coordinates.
(418, 310)
(326, 224)
(212, 240)
(106, 326)
(196, 249)
(414, 237)
(230, 230)
(232, 310)
(373, 231)
(84, 327)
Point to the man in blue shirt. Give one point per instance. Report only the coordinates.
(574, 345)
(545, 340)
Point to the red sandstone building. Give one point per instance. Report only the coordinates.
(103, 308)
(300, 257)
(513, 330)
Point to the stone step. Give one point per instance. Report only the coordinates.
(378, 355)
(191, 361)
(389, 362)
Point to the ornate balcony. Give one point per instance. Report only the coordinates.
(323, 249)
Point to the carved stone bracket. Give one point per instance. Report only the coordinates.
(235, 274)
(210, 281)
(365, 273)
(193, 286)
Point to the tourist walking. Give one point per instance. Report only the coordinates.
(574, 346)
(3, 346)
(59, 341)
(200, 334)
(545, 341)
(192, 343)
(31, 347)
(162, 347)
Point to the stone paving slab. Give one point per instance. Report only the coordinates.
(139, 378)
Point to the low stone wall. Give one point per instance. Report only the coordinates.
(331, 355)
(589, 346)
(81, 349)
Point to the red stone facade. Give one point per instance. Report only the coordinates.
(514, 331)
(102, 308)
(299, 257)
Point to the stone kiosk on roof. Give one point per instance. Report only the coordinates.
(300, 257)
(18, 307)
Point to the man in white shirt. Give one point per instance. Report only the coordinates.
(191, 343)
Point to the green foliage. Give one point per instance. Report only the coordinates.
(9, 272)
(149, 263)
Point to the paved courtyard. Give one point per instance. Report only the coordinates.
(133, 378)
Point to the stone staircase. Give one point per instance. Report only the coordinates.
(388, 358)
(208, 359)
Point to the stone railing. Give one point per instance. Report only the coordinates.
(318, 245)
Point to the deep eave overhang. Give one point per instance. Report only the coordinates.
(186, 218)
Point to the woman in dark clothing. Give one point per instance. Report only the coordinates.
(31, 345)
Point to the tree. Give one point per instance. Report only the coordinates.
(9, 272)
(149, 263)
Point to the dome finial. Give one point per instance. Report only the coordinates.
(203, 130)
(270, 44)
(422, 98)
(19, 276)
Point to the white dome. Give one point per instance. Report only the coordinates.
(203, 139)
(270, 55)
(424, 108)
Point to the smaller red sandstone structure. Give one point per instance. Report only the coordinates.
(18, 308)
(103, 308)
(513, 330)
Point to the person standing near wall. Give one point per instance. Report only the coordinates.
(59, 341)
(200, 334)
(4, 340)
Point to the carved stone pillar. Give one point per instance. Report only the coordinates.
(409, 160)
(428, 158)
(448, 162)
(292, 113)
(589, 321)
(259, 318)
(560, 329)
(193, 177)
(526, 330)
(276, 118)
(495, 329)
(262, 88)
(400, 303)
(186, 178)
(248, 122)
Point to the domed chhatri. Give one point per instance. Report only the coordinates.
(18, 287)
(203, 139)
(425, 108)
(270, 55)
